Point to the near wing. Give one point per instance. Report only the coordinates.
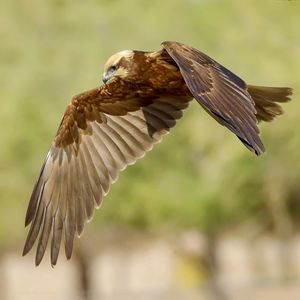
(219, 91)
(101, 133)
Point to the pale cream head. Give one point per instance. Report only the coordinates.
(117, 65)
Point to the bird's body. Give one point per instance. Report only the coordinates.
(107, 128)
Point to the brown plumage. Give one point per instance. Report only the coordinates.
(107, 128)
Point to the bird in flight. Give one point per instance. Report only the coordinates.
(109, 127)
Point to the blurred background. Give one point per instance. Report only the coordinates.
(200, 217)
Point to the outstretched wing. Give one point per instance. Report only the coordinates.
(222, 94)
(102, 131)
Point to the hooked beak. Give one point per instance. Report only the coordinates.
(108, 74)
(105, 78)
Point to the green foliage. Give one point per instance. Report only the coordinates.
(201, 176)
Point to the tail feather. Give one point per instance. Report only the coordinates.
(266, 100)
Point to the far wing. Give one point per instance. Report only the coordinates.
(101, 133)
(222, 94)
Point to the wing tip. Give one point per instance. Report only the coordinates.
(257, 148)
(30, 241)
(26, 249)
(54, 257)
(259, 151)
(38, 259)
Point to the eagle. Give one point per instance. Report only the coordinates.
(107, 128)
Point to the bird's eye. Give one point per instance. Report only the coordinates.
(113, 68)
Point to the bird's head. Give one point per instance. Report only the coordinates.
(118, 65)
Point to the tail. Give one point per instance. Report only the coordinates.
(266, 99)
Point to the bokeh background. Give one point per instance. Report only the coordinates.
(199, 217)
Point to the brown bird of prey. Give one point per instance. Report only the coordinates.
(107, 128)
